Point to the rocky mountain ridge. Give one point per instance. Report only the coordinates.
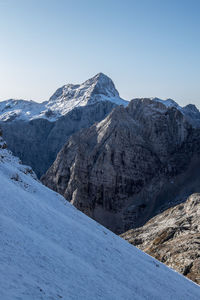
(173, 237)
(96, 89)
(118, 170)
(38, 141)
(190, 111)
(36, 132)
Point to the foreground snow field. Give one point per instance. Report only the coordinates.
(50, 250)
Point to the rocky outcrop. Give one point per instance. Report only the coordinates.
(173, 237)
(118, 171)
(38, 141)
(2, 142)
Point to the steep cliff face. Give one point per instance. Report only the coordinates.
(38, 141)
(116, 171)
(35, 132)
(173, 237)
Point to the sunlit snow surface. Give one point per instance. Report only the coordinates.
(96, 89)
(50, 250)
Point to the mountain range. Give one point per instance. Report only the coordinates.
(120, 162)
(96, 89)
(35, 132)
(138, 160)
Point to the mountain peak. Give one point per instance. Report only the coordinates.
(101, 78)
(98, 88)
(94, 90)
(101, 84)
(101, 75)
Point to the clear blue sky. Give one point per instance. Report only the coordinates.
(148, 47)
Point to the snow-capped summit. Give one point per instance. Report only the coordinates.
(100, 85)
(96, 89)
(50, 250)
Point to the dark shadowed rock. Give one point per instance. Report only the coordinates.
(2, 142)
(118, 170)
(35, 132)
(38, 141)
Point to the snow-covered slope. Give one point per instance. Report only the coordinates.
(14, 109)
(50, 250)
(98, 88)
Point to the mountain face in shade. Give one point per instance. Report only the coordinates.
(38, 141)
(190, 111)
(37, 131)
(173, 237)
(50, 250)
(2, 142)
(139, 160)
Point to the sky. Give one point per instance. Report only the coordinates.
(150, 48)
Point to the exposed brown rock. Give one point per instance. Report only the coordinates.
(173, 237)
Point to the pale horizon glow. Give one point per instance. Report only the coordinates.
(149, 48)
